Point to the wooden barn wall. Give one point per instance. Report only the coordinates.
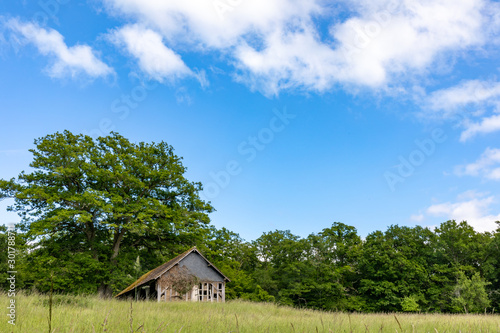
(199, 268)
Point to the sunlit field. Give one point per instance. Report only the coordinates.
(90, 314)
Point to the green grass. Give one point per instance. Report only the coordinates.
(90, 314)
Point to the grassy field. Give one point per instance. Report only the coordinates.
(90, 314)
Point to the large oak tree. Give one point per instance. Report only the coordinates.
(98, 197)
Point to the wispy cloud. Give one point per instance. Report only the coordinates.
(487, 166)
(475, 103)
(66, 61)
(472, 207)
(473, 92)
(155, 59)
(417, 217)
(484, 126)
(279, 45)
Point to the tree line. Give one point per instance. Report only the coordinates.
(99, 213)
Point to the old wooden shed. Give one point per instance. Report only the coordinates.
(189, 276)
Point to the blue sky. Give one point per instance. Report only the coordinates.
(293, 114)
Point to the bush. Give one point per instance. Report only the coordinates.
(410, 304)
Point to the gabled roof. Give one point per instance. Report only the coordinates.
(162, 269)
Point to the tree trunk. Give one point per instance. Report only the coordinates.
(105, 290)
(117, 240)
(90, 232)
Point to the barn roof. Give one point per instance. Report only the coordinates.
(162, 269)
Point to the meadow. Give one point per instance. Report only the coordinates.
(91, 314)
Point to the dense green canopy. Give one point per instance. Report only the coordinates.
(99, 201)
(99, 213)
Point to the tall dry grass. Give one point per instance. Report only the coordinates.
(89, 314)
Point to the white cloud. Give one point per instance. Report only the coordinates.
(466, 93)
(202, 21)
(484, 126)
(154, 58)
(382, 43)
(475, 102)
(276, 45)
(67, 61)
(475, 210)
(487, 166)
(417, 218)
(291, 60)
(471, 194)
(406, 37)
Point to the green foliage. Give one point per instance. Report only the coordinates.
(394, 265)
(259, 295)
(470, 294)
(96, 200)
(234, 257)
(491, 268)
(410, 304)
(97, 214)
(18, 246)
(73, 272)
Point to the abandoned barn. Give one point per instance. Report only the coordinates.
(189, 276)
